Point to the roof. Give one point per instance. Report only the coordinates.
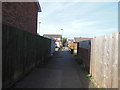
(53, 35)
(78, 39)
(38, 5)
(70, 39)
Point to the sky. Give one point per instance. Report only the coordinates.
(78, 19)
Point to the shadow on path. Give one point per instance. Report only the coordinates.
(61, 71)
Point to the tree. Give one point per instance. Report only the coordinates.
(64, 40)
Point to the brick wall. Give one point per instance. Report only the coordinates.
(22, 15)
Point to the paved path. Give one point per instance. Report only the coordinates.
(61, 71)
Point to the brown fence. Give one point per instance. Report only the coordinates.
(84, 48)
(104, 60)
(21, 52)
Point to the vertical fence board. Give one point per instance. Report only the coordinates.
(119, 59)
(22, 51)
(104, 60)
(83, 51)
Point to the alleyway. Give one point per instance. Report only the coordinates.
(61, 71)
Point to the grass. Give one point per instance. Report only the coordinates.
(79, 60)
(84, 67)
(89, 76)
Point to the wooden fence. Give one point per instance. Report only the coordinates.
(104, 60)
(84, 48)
(119, 59)
(21, 52)
(52, 46)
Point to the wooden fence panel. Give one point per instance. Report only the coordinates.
(83, 51)
(22, 51)
(104, 60)
(119, 59)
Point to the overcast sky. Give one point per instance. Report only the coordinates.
(77, 19)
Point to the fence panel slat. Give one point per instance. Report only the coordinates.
(104, 60)
(22, 51)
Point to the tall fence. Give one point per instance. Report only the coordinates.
(52, 46)
(84, 48)
(21, 52)
(104, 60)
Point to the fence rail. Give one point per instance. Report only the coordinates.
(22, 51)
(104, 60)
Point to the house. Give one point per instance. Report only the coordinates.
(73, 43)
(21, 15)
(78, 39)
(19, 38)
(56, 37)
(70, 41)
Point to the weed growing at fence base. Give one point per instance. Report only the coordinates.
(79, 60)
(89, 76)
